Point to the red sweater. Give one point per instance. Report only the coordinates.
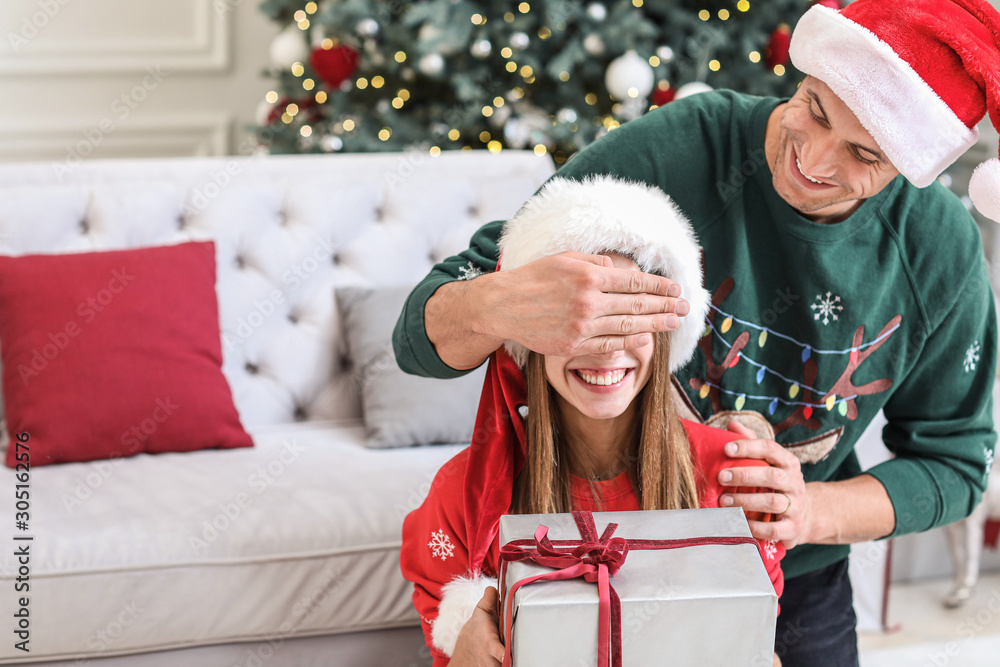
(435, 550)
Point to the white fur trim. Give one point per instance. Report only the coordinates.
(918, 131)
(459, 598)
(984, 189)
(603, 214)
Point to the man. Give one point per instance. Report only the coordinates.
(845, 280)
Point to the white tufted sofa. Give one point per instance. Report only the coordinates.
(301, 567)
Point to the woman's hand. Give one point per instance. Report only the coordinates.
(787, 498)
(777, 661)
(478, 643)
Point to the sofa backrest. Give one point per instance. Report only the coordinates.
(288, 231)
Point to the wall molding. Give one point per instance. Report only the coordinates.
(207, 49)
(65, 142)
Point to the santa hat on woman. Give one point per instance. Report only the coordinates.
(597, 215)
(918, 74)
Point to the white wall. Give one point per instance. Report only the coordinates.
(129, 78)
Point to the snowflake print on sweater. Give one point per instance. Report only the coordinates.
(971, 357)
(441, 545)
(988, 454)
(770, 549)
(468, 272)
(827, 308)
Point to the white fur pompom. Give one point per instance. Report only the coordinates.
(984, 189)
(459, 598)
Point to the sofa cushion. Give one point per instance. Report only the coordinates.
(401, 409)
(109, 354)
(296, 536)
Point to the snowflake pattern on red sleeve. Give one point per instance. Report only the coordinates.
(441, 545)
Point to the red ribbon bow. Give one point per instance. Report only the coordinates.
(596, 560)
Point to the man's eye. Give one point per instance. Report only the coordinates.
(863, 159)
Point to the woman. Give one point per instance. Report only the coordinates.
(555, 434)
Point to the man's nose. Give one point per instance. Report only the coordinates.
(818, 156)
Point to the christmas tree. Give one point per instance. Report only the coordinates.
(551, 75)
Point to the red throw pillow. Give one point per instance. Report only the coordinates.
(110, 354)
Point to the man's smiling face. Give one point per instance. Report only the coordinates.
(823, 161)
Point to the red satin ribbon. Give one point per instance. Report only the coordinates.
(596, 560)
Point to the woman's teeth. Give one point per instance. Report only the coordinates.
(608, 377)
(799, 165)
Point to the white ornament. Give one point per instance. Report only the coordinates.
(441, 545)
(971, 357)
(431, 64)
(368, 27)
(665, 54)
(597, 11)
(692, 88)
(481, 49)
(629, 76)
(593, 44)
(827, 307)
(566, 115)
(519, 40)
(330, 143)
(288, 48)
(428, 31)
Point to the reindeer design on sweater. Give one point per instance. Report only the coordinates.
(844, 392)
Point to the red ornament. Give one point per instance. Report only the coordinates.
(777, 48)
(307, 105)
(807, 412)
(334, 65)
(662, 96)
(832, 4)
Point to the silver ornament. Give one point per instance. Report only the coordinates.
(481, 49)
(519, 40)
(431, 64)
(368, 27)
(597, 11)
(593, 44)
(665, 54)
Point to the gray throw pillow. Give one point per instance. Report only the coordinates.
(401, 409)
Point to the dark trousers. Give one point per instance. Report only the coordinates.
(816, 627)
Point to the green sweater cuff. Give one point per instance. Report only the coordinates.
(925, 493)
(414, 351)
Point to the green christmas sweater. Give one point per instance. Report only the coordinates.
(817, 327)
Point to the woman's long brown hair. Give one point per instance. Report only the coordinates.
(658, 457)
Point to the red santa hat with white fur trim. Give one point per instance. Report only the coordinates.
(604, 214)
(918, 74)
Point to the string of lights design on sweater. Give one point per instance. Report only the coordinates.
(794, 386)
